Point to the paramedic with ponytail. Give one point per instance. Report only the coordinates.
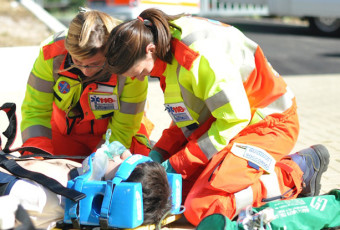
(234, 118)
(71, 100)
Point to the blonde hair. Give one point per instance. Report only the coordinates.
(88, 33)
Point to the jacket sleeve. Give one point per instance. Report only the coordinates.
(36, 108)
(43, 143)
(217, 80)
(126, 122)
(171, 141)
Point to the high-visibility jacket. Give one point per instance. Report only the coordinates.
(52, 93)
(234, 121)
(220, 77)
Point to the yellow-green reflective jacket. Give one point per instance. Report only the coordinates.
(50, 89)
(217, 72)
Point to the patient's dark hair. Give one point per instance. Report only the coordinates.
(156, 191)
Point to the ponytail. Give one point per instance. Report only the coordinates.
(127, 42)
(161, 23)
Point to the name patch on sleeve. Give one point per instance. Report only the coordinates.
(178, 112)
(103, 102)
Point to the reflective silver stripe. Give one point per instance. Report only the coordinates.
(189, 99)
(59, 36)
(36, 131)
(104, 88)
(178, 70)
(56, 65)
(216, 101)
(243, 198)
(128, 107)
(121, 83)
(203, 116)
(186, 131)
(195, 103)
(132, 108)
(40, 84)
(197, 35)
(206, 146)
(271, 184)
(279, 105)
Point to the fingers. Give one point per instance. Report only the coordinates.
(125, 154)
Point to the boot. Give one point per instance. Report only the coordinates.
(313, 161)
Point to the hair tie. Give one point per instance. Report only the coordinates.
(146, 22)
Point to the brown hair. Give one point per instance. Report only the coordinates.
(127, 42)
(156, 191)
(88, 33)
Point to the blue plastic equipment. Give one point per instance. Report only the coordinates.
(114, 203)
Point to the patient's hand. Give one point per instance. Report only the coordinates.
(115, 163)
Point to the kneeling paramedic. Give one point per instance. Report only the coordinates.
(235, 119)
(71, 100)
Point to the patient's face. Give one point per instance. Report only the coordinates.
(114, 164)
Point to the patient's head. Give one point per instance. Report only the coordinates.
(156, 190)
(155, 186)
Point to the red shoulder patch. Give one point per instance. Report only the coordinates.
(183, 54)
(54, 49)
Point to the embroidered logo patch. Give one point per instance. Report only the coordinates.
(178, 112)
(103, 102)
(64, 87)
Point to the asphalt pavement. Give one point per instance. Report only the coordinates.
(318, 99)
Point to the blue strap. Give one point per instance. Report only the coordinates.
(6, 183)
(104, 211)
(73, 210)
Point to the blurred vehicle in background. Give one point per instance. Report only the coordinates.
(128, 9)
(323, 15)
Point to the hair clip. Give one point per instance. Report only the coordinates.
(83, 9)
